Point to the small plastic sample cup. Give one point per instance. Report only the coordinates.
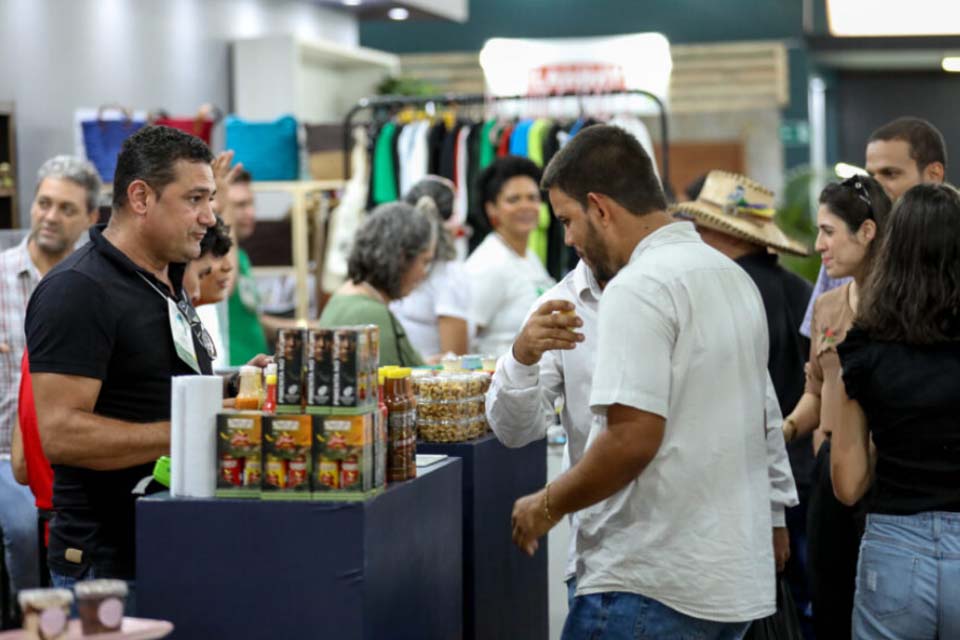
(101, 603)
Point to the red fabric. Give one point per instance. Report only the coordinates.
(503, 149)
(39, 471)
(200, 128)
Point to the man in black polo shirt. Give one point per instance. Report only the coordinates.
(106, 331)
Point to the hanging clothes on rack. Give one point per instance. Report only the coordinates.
(539, 238)
(435, 137)
(520, 138)
(461, 159)
(487, 145)
(503, 147)
(556, 249)
(636, 127)
(345, 219)
(457, 147)
(384, 165)
(412, 154)
(449, 153)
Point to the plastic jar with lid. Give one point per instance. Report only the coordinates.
(250, 395)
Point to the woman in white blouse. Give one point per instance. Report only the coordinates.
(506, 277)
(435, 314)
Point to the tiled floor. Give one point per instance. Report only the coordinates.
(557, 548)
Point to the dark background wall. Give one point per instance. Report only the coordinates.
(682, 21)
(866, 100)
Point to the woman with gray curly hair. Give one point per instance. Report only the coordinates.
(436, 313)
(391, 255)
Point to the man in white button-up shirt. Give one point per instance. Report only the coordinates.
(521, 399)
(673, 488)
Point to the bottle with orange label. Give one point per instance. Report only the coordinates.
(410, 423)
(380, 437)
(398, 406)
(270, 397)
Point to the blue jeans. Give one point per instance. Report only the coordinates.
(18, 520)
(630, 616)
(908, 577)
(60, 581)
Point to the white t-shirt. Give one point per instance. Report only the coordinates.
(503, 287)
(683, 335)
(445, 292)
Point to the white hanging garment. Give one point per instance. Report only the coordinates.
(404, 152)
(347, 217)
(418, 156)
(636, 127)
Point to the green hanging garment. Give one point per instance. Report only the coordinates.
(539, 236)
(384, 167)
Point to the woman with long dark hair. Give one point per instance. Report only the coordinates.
(851, 222)
(900, 390)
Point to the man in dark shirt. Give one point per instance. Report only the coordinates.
(106, 331)
(745, 232)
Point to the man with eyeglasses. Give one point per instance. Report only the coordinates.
(64, 206)
(107, 329)
(901, 154)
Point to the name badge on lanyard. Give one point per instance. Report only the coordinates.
(179, 330)
(182, 336)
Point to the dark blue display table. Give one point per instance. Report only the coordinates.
(390, 567)
(505, 592)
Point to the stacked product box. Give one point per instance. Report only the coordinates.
(287, 457)
(239, 454)
(326, 440)
(343, 456)
(291, 364)
(342, 367)
(342, 385)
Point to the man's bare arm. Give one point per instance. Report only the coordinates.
(17, 460)
(619, 454)
(72, 434)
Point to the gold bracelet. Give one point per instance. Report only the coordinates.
(546, 504)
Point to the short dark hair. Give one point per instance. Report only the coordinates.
(926, 142)
(391, 237)
(216, 240)
(913, 293)
(491, 180)
(242, 177)
(150, 155)
(608, 160)
(848, 201)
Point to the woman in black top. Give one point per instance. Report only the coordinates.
(900, 390)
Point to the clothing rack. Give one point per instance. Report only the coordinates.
(455, 99)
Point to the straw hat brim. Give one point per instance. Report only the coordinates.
(765, 233)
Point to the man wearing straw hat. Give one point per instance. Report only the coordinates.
(673, 491)
(735, 216)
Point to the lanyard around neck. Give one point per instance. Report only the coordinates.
(154, 287)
